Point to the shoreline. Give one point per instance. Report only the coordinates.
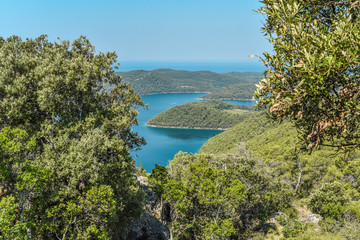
(234, 99)
(201, 98)
(198, 128)
(171, 93)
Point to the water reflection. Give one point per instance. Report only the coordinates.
(185, 134)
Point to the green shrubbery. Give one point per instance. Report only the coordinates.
(328, 179)
(329, 200)
(221, 197)
(65, 168)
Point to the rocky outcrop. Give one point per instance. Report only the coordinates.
(148, 226)
(311, 218)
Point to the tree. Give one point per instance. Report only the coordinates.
(68, 137)
(220, 197)
(329, 200)
(313, 73)
(21, 182)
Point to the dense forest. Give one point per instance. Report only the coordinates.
(65, 165)
(207, 115)
(175, 81)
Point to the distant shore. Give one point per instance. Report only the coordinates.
(159, 126)
(172, 93)
(233, 99)
(201, 98)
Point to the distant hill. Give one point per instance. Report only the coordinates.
(252, 77)
(242, 91)
(208, 114)
(179, 81)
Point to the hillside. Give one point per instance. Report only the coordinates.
(267, 140)
(276, 144)
(208, 114)
(175, 81)
(305, 195)
(242, 91)
(226, 142)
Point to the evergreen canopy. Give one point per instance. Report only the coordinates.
(65, 169)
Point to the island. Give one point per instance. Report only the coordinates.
(232, 85)
(213, 114)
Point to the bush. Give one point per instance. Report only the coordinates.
(329, 200)
(229, 196)
(293, 229)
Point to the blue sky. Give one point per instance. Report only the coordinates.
(145, 30)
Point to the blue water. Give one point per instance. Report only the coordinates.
(219, 67)
(164, 143)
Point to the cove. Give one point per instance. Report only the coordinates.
(164, 143)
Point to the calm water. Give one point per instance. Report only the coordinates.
(164, 143)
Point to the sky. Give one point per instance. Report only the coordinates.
(144, 30)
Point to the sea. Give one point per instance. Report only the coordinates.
(164, 143)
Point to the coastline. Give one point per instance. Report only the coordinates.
(171, 93)
(234, 99)
(201, 98)
(199, 128)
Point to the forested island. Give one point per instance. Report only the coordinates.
(222, 85)
(204, 115)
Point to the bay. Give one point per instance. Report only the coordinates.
(164, 143)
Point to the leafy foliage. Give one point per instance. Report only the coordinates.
(327, 178)
(277, 144)
(21, 183)
(313, 75)
(220, 197)
(158, 178)
(329, 200)
(65, 142)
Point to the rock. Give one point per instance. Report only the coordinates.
(142, 180)
(311, 218)
(148, 227)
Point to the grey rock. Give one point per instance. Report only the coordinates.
(311, 218)
(148, 227)
(142, 180)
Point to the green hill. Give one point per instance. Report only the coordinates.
(276, 144)
(267, 140)
(175, 81)
(210, 114)
(226, 142)
(242, 91)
